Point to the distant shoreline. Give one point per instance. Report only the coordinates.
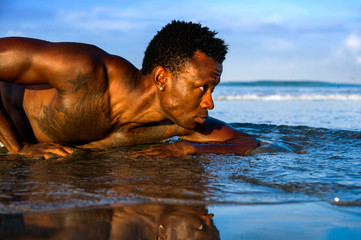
(288, 83)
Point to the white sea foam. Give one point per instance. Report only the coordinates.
(288, 97)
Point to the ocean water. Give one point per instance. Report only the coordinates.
(303, 182)
(313, 104)
(320, 123)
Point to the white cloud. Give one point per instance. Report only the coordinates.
(12, 33)
(353, 43)
(358, 60)
(273, 19)
(104, 18)
(350, 49)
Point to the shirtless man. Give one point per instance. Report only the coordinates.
(58, 96)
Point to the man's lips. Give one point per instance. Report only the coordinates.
(201, 119)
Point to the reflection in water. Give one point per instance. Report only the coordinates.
(36, 195)
(140, 221)
(102, 178)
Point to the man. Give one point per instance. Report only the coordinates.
(57, 96)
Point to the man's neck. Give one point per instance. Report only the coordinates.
(134, 102)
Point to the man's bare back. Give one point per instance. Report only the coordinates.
(56, 96)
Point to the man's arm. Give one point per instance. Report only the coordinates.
(8, 135)
(150, 133)
(214, 136)
(29, 61)
(21, 61)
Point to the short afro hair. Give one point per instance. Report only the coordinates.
(177, 42)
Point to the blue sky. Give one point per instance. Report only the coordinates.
(274, 40)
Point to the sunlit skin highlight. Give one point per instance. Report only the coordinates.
(72, 95)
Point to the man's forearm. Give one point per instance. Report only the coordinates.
(238, 146)
(8, 134)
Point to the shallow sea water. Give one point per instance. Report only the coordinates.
(303, 182)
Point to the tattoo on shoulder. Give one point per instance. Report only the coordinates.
(80, 82)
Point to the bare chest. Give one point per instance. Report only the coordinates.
(71, 120)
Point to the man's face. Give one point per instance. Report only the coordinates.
(192, 225)
(188, 96)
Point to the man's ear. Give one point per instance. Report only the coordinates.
(160, 77)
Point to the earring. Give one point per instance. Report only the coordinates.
(161, 88)
(159, 234)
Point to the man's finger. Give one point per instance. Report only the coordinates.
(57, 151)
(69, 150)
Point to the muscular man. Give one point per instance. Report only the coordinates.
(57, 96)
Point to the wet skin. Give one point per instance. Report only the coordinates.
(56, 96)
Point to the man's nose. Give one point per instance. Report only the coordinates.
(207, 102)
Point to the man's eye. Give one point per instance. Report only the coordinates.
(203, 88)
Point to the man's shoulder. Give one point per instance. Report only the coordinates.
(118, 64)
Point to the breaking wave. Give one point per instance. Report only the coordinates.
(287, 91)
(288, 97)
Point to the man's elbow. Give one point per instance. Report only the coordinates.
(244, 145)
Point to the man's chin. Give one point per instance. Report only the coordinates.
(191, 125)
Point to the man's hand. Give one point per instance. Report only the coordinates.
(177, 149)
(46, 150)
